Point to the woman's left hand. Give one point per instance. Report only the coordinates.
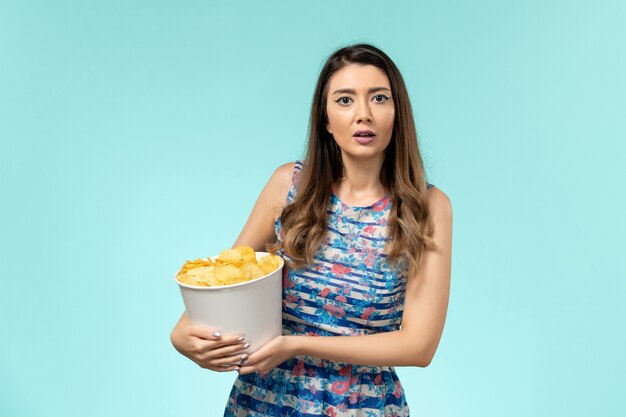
(270, 355)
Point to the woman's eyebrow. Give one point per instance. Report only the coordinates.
(351, 91)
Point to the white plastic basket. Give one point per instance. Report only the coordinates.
(253, 308)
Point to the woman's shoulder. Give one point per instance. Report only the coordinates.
(284, 172)
(283, 180)
(287, 169)
(439, 204)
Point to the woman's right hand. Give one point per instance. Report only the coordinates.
(208, 348)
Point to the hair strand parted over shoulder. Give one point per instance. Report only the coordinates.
(410, 225)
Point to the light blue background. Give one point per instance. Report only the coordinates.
(137, 134)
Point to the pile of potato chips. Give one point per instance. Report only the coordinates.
(232, 266)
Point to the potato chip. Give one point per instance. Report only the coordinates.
(225, 273)
(230, 255)
(252, 271)
(190, 280)
(201, 270)
(269, 263)
(195, 264)
(230, 267)
(203, 274)
(247, 253)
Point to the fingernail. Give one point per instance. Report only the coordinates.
(241, 339)
(217, 334)
(245, 361)
(246, 346)
(244, 356)
(237, 368)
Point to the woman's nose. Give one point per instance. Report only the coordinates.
(364, 118)
(363, 113)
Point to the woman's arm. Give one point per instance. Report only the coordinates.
(259, 229)
(217, 351)
(424, 315)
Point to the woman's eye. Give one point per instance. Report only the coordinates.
(343, 100)
(381, 98)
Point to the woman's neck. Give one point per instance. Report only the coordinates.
(360, 184)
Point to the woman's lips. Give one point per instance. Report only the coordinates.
(364, 140)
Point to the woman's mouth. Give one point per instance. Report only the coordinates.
(364, 136)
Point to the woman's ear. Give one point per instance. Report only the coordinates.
(328, 129)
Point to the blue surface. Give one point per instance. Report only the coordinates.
(134, 135)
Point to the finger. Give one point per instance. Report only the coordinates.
(259, 356)
(229, 350)
(245, 370)
(222, 368)
(258, 367)
(227, 340)
(204, 332)
(231, 339)
(207, 333)
(228, 360)
(204, 347)
(218, 368)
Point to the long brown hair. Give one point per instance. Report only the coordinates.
(409, 223)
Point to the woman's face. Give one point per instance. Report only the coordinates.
(360, 110)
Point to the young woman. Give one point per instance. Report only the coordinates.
(367, 243)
